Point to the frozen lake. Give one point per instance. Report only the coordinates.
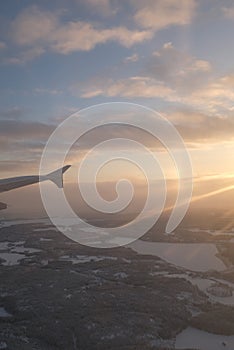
(192, 338)
(4, 313)
(12, 252)
(192, 256)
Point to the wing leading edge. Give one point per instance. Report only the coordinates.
(21, 181)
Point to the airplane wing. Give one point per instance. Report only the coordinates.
(3, 206)
(21, 181)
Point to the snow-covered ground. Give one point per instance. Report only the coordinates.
(212, 232)
(81, 259)
(9, 223)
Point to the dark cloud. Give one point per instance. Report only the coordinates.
(14, 113)
(18, 130)
(22, 142)
(199, 127)
(17, 167)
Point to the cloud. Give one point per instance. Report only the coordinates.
(103, 7)
(22, 141)
(25, 56)
(169, 74)
(194, 126)
(130, 87)
(217, 94)
(199, 127)
(163, 13)
(17, 130)
(192, 79)
(177, 68)
(82, 36)
(133, 58)
(33, 26)
(18, 166)
(37, 31)
(173, 76)
(13, 113)
(2, 45)
(228, 12)
(42, 91)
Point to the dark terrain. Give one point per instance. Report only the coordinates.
(108, 299)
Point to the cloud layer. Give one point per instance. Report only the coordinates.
(171, 75)
(38, 30)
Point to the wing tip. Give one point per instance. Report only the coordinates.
(57, 176)
(65, 168)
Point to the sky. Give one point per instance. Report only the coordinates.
(57, 57)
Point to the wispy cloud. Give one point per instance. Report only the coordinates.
(163, 13)
(177, 68)
(35, 31)
(25, 56)
(133, 58)
(216, 95)
(18, 167)
(228, 12)
(130, 87)
(172, 75)
(2, 45)
(42, 91)
(197, 129)
(25, 131)
(201, 128)
(12, 113)
(82, 36)
(22, 141)
(169, 74)
(33, 26)
(103, 7)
